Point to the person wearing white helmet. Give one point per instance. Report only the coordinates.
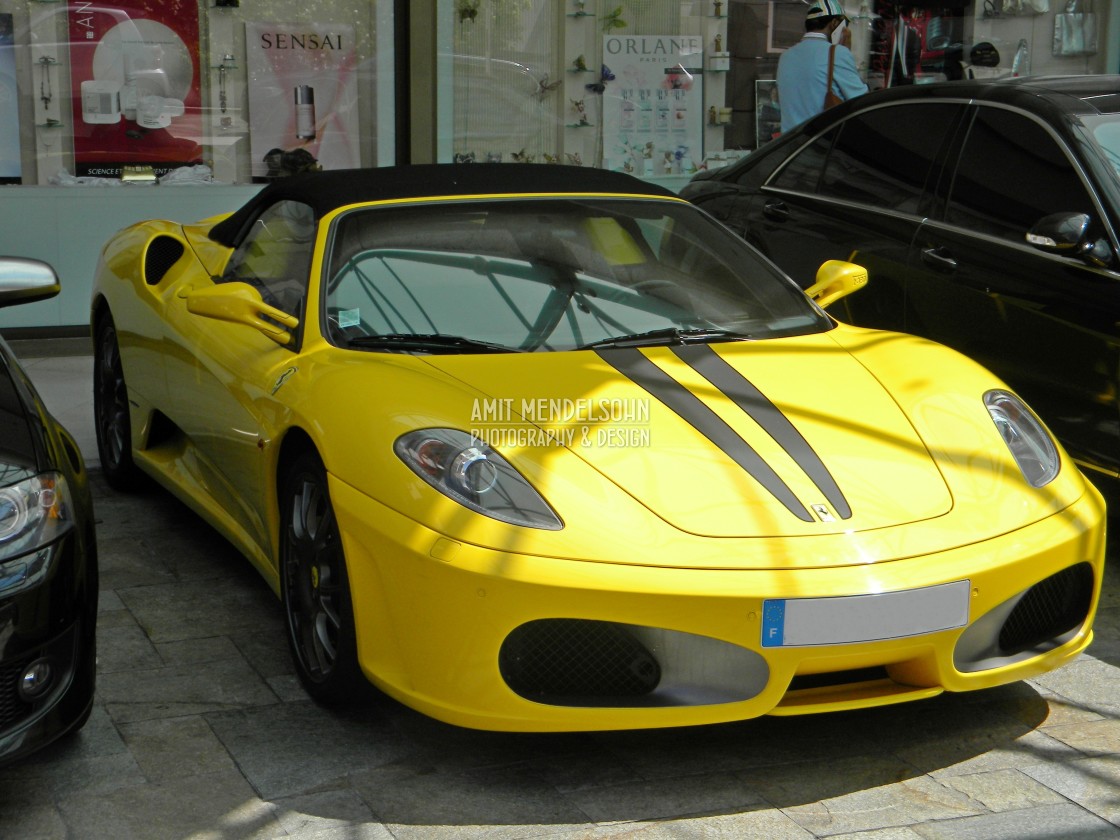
(803, 69)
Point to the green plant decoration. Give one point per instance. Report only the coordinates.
(468, 10)
(613, 20)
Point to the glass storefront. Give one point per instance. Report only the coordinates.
(243, 94)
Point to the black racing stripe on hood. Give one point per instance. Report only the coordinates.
(633, 364)
(737, 388)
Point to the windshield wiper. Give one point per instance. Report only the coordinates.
(668, 335)
(435, 342)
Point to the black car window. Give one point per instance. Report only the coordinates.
(884, 156)
(275, 257)
(1011, 173)
(802, 171)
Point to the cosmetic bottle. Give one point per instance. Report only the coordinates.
(305, 112)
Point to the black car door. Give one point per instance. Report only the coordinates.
(1044, 322)
(857, 192)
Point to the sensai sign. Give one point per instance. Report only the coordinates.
(301, 40)
(302, 90)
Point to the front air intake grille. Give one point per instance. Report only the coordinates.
(574, 662)
(1049, 608)
(163, 252)
(832, 679)
(12, 707)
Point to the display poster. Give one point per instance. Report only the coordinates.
(135, 81)
(303, 97)
(653, 103)
(9, 106)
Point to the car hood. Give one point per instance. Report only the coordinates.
(780, 438)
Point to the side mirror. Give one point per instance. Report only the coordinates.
(23, 281)
(836, 279)
(240, 303)
(1068, 234)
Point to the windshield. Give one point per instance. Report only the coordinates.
(550, 275)
(1106, 132)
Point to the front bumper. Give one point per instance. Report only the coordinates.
(48, 627)
(506, 641)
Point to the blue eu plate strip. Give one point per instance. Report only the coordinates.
(773, 623)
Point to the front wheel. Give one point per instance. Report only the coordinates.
(314, 587)
(110, 410)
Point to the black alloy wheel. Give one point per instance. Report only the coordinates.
(314, 587)
(110, 410)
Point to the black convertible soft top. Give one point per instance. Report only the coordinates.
(329, 190)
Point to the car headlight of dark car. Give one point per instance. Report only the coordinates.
(34, 513)
(472, 473)
(1030, 444)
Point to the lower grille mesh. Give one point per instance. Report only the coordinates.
(1050, 608)
(575, 662)
(12, 708)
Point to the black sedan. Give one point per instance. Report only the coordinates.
(48, 554)
(987, 215)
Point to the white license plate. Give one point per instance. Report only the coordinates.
(796, 622)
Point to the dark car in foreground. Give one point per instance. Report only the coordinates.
(48, 553)
(987, 215)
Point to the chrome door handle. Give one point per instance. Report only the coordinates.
(939, 258)
(775, 210)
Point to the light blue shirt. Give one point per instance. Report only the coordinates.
(803, 76)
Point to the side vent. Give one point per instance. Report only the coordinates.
(162, 253)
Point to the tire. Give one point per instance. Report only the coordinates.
(315, 588)
(110, 410)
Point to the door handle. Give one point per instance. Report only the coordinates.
(939, 258)
(775, 210)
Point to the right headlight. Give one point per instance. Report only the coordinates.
(476, 476)
(1031, 446)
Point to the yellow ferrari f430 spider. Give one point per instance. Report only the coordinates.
(548, 448)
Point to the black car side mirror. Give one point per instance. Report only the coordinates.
(1068, 234)
(24, 280)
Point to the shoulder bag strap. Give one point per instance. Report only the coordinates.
(831, 61)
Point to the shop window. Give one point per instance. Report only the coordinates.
(916, 44)
(639, 88)
(197, 92)
(1011, 173)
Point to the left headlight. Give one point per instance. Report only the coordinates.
(476, 476)
(1030, 444)
(33, 513)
